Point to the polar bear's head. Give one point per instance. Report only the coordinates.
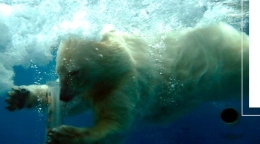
(85, 67)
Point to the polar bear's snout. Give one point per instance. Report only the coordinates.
(67, 94)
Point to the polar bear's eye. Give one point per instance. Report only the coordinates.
(74, 73)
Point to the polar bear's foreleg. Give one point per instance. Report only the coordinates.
(27, 97)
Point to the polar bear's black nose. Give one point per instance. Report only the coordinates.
(65, 95)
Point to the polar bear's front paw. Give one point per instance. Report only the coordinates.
(69, 135)
(18, 97)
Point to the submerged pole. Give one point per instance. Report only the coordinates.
(54, 118)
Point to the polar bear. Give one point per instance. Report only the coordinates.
(123, 77)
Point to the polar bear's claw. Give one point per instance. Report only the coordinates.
(17, 98)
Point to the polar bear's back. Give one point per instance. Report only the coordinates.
(206, 51)
(200, 65)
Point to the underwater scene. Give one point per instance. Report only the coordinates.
(125, 72)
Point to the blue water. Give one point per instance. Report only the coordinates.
(203, 126)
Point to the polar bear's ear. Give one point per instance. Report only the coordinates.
(107, 28)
